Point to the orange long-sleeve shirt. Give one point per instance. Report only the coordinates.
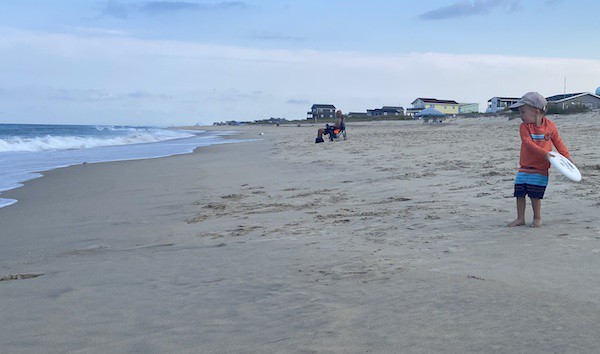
(536, 142)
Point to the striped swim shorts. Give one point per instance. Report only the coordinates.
(531, 184)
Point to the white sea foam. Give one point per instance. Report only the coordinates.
(50, 142)
(23, 157)
(6, 202)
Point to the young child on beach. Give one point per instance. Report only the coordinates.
(538, 134)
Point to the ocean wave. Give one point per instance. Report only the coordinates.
(114, 128)
(51, 142)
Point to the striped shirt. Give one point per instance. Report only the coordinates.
(535, 143)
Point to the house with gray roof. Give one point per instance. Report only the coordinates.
(385, 111)
(321, 111)
(587, 99)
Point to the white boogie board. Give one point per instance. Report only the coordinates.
(566, 167)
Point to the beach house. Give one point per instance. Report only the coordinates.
(444, 106)
(587, 99)
(358, 115)
(466, 108)
(498, 104)
(385, 111)
(321, 111)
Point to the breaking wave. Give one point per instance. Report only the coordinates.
(74, 142)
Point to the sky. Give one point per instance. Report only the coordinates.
(202, 61)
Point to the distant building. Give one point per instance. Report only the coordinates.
(465, 108)
(497, 104)
(386, 111)
(321, 111)
(587, 99)
(272, 120)
(229, 122)
(411, 111)
(444, 106)
(357, 114)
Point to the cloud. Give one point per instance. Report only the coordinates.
(298, 101)
(165, 6)
(234, 95)
(159, 7)
(93, 95)
(117, 9)
(272, 36)
(75, 77)
(467, 8)
(94, 31)
(82, 95)
(146, 95)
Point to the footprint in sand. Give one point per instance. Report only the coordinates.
(233, 196)
(20, 276)
(243, 230)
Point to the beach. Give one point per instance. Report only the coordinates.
(394, 240)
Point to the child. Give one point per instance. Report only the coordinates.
(538, 134)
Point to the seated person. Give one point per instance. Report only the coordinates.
(335, 129)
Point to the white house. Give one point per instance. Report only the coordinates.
(497, 104)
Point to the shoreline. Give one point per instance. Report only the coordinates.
(393, 240)
(35, 166)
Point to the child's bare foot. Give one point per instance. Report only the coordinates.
(536, 223)
(517, 222)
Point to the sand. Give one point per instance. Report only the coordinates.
(391, 241)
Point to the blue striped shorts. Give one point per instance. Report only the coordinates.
(531, 184)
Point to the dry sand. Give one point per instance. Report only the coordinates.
(391, 241)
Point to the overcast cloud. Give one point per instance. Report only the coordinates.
(119, 9)
(155, 7)
(128, 75)
(470, 8)
(191, 61)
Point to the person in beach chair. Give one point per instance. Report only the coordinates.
(335, 132)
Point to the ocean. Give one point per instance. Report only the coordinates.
(28, 149)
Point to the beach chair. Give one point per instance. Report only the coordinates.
(336, 134)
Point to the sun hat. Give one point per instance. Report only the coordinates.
(532, 99)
